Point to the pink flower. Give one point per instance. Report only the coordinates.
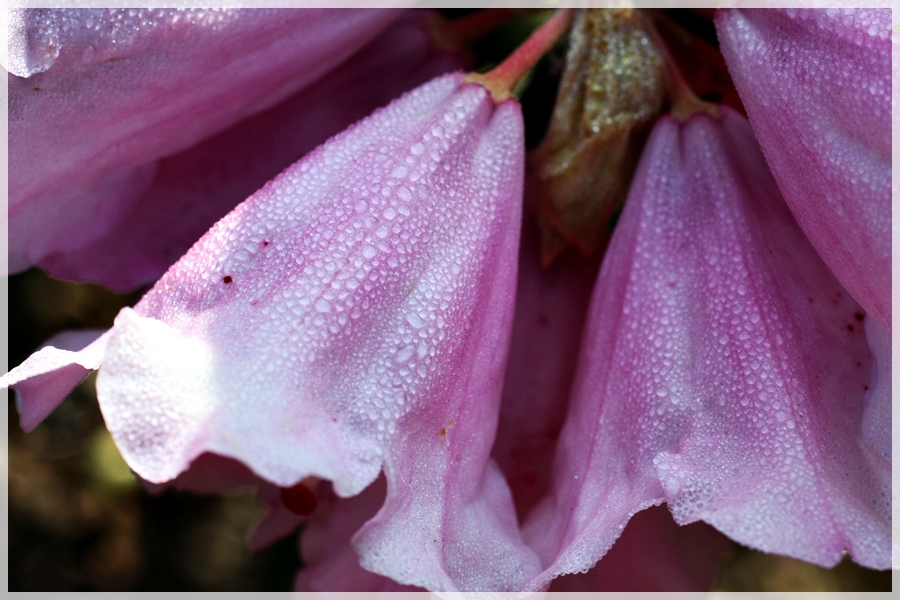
(353, 317)
(723, 371)
(193, 189)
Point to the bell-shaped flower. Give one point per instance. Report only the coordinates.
(352, 316)
(195, 188)
(817, 88)
(724, 370)
(97, 96)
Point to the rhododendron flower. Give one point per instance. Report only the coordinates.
(343, 333)
(387, 257)
(723, 371)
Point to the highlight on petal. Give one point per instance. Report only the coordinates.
(723, 371)
(352, 316)
(48, 375)
(96, 96)
(195, 188)
(817, 87)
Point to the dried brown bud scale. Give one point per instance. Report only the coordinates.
(613, 87)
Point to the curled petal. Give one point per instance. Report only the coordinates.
(97, 96)
(195, 188)
(723, 372)
(817, 87)
(352, 315)
(48, 375)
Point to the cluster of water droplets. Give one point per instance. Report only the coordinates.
(790, 57)
(720, 382)
(852, 23)
(349, 277)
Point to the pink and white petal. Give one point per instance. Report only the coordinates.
(330, 563)
(338, 320)
(448, 510)
(48, 375)
(96, 96)
(195, 188)
(817, 87)
(723, 371)
(655, 554)
(551, 305)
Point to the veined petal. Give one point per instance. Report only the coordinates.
(195, 188)
(96, 96)
(723, 372)
(817, 87)
(353, 314)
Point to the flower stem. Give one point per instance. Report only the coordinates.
(502, 79)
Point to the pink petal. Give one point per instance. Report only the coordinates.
(654, 554)
(353, 314)
(330, 563)
(817, 87)
(48, 375)
(96, 96)
(723, 371)
(195, 188)
(551, 305)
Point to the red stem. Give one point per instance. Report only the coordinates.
(503, 78)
